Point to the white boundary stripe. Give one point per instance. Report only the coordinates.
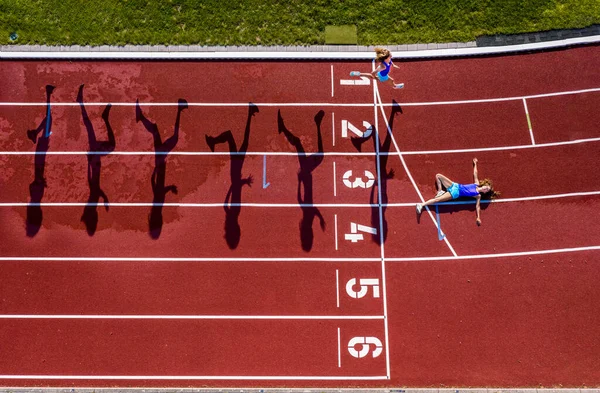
(389, 130)
(293, 154)
(356, 259)
(313, 104)
(286, 205)
(194, 317)
(194, 377)
(316, 55)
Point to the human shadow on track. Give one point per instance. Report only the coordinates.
(381, 183)
(161, 150)
(97, 150)
(36, 188)
(233, 199)
(305, 180)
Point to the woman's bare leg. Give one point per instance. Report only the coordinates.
(441, 180)
(442, 198)
(396, 86)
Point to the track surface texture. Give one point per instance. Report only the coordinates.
(253, 224)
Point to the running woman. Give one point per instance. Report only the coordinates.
(384, 59)
(448, 190)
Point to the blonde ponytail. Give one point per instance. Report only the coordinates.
(381, 53)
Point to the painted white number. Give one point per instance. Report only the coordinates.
(365, 283)
(358, 181)
(346, 125)
(354, 236)
(365, 343)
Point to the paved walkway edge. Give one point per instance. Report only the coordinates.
(297, 390)
(325, 52)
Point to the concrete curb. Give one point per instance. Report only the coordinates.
(321, 52)
(297, 390)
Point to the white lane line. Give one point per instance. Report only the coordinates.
(337, 287)
(381, 237)
(339, 348)
(312, 104)
(333, 128)
(499, 255)
(335, 224)
(356, 259)
(332, 80)
(286, 205)
(194, 317)
(502, 148)
(334, 180)
(195, 377)
(528, 121)
(389, 130)
(294, 154)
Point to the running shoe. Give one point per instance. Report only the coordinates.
(399, 86)
(355, 73)
(419, 208)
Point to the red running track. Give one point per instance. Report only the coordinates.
(197, 292)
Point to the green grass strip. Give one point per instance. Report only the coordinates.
(275, 22)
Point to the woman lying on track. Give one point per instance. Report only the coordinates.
(454, 190)
(384, 58)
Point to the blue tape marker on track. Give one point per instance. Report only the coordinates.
(265, 184)
(441, 236)
(48, 121)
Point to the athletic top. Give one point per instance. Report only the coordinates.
(387, 68)
(467, 190)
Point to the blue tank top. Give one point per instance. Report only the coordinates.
(467, 190)
(387, 66)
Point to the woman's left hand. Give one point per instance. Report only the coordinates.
(478, 221)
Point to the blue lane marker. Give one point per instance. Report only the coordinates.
(48, 120)
(265, 184)
(439, 225)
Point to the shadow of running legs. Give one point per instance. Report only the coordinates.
(158, 179)
(233, 199)
(305, 180)
(36, 188)
(97, 150)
